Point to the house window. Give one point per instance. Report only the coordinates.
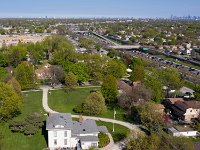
(94, 144)
(65, 141)
(55, 133)
(55, 142)
(65, 134)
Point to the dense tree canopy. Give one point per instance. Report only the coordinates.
(10, 102)
(115, 68)
(25, 75)
(16, 54)
(162, 141)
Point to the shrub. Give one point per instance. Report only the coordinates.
(103, 139)
(78, 108)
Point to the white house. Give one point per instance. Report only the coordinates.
(182, 131)
(65, 133)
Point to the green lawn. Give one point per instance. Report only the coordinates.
(62, 101)
(120, 132)
(18, 141)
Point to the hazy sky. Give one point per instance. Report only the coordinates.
(99, 8)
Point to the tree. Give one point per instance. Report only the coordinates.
(16, 54)
(170, 77)
(70, 81)
(137, 74)
(94, 104)
(109, 88)
(29, 126)
(3, 73)
(10, 102)
(152, 82)
(149, 117)
(115, 68)
(160, 141)
(25, 75)
(141, 142)
(138, 95)
(197, 92)
(15, 86)
(36, 52)
(81, 71)
(3, 60)
(58, 75)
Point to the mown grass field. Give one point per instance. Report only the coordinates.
(18, 141)
(62, 101)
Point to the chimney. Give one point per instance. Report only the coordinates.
(81, 118)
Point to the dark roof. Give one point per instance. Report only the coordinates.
(88, 138)
(124, 86)
(184, 105)
(87, 126)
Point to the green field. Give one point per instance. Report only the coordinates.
(18, 141)
(120, 132)
(62, 101)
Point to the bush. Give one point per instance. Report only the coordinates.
(103, 140)
(78, 108)
(29, 126)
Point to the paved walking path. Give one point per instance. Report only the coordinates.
(112, 145)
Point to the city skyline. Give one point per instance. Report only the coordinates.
(97, 8)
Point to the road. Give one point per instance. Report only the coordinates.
(112, 145)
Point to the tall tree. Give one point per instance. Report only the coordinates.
(109, 88)
(170, 77)
(25, 75)
(10, 102)
(149, 117)
(58, 75)
(138, 71)
(16, 54)
(81, 71)
(15, 86)
(197, 92)
(115, 68)
(94, 104)
(153, 82)
(70, 81)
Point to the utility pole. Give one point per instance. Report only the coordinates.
(114, 119)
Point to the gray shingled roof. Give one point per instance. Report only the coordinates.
(64, 121)
(102, 129)
(88, 138)
(88, 126)
(55, 120)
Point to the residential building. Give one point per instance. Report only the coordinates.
(182, 131)
(65, 133)
(44, 72)
(186, 110)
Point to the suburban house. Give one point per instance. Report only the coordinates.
(65, 133)
(182, 131)
(183, 110)
(44, 72)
